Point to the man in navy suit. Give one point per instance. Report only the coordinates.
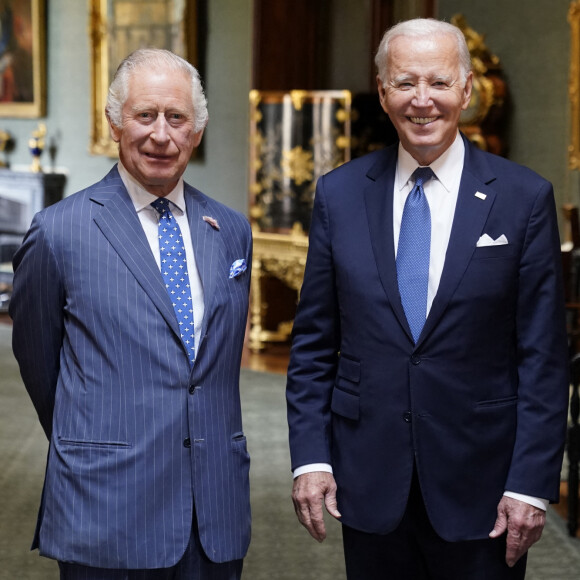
(147, 473)
(437, 441)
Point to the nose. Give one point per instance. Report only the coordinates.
(160, 134)
(422, 95)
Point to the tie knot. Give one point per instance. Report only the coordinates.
(161, 205)
(422, 175)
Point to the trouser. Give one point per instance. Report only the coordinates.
(414, 551)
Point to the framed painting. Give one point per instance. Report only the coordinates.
(574, 85)
(22, 58)
(118, 27)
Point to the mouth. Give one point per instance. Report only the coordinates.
(422, 120)
(157, 156)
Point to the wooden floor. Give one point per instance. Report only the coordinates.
(273, 359)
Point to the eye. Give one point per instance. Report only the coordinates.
(145, 116)
(175, 118)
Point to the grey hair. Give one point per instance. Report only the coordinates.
(160, 59)
(422, 28)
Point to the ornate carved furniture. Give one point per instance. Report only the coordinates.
(295, 137)
(484, 121)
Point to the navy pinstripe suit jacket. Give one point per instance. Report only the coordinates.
(138, 440)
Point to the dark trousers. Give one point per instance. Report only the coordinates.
(194, 565)
(414, 551)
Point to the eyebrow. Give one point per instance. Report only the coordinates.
(448, 79)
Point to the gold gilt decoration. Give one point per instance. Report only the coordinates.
(281, 256)
(295, 137)
(482, 93)
(297, 98)
(484, 120)
(298, 165)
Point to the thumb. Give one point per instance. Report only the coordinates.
(331, 505)
(500, 525)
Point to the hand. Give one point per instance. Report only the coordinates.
(309, 492)
(524, 524)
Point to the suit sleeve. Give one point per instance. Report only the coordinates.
(36, 308)
(315, 344)
(542, 357)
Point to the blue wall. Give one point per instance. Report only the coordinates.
(532, 41)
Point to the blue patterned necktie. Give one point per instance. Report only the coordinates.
(413, 253)
(175, 275)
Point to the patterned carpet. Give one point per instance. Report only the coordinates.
(280, 549)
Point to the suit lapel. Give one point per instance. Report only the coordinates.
(471, 214)
(379, 207)
(119, 223)
(207, 245)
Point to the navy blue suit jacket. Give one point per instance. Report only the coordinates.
(479, 403)
(138, 439)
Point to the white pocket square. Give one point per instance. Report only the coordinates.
(486, 240)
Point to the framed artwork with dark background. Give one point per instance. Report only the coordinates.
(22, 58)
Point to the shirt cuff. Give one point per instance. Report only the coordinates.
(535, 501)
(311, 467)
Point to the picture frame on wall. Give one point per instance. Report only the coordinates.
(574, 85)
(118, 27)
(22, 58)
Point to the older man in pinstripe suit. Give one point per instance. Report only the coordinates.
(147, 473)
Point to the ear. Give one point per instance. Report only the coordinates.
(197, 138)
(467, 91)
(382, 94)
(113, 130)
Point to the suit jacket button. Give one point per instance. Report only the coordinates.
(407, 416)
(416, 359)
(191, 390)
(187, 442)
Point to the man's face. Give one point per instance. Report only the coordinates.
(424, 94)
(157, 135)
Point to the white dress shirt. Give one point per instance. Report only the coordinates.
(441, 192)
(149, 219)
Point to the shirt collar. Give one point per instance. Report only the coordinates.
(447, 167)
(142, 199)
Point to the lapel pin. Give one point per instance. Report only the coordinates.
(212, 222)
(480, 195)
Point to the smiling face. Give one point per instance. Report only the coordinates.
(424, 93)
(157, 137)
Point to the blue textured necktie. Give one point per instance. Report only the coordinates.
(413, 253)
(174, 272)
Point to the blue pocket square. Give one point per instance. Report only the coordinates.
(237, 268)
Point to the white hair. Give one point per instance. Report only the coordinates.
(157, 59)
(422, 28)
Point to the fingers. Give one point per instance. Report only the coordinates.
(309, 493)
(331, 505)
(500, 525)
(524, 524)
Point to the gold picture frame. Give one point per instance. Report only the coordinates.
(117, 28)
(574, 85)
(22, 59)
